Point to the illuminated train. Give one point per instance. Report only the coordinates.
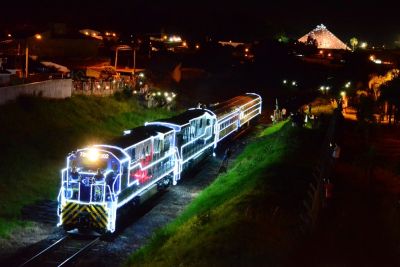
(99, 180)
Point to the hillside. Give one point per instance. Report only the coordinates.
(37, 134)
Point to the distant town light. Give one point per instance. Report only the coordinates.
(246, 50)
(363, 45)
(114, 34)
(184, 44)
(343, 93)
(141, 75)
(98, 86)
(38, 36)
(175, 39)
(158, 93)
(107, 87)
(86, 33)
(322, 88)
(166, 94)
(293, 82)
(197, 46)
(327, 88)
(284, 81)
(169, 99)
(9, 35)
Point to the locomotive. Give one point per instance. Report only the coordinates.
(99, 180)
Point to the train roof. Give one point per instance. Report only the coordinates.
(139, 134)
(223, 108)
(181, 119)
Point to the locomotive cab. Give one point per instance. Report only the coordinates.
(90, 183)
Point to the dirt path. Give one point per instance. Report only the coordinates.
(361, 225)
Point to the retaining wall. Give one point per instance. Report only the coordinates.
(59, 89)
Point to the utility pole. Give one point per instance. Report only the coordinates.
(116, 58)
(134, 60)
(26, 60)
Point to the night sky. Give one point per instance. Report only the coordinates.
(374, 22)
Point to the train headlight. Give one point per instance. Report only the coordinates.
(93, 154)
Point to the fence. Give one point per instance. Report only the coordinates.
(100, 87)
(316, 199)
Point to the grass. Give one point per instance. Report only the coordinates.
(246, 217)
(37, 134)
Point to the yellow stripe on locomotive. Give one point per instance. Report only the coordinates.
(82, 216)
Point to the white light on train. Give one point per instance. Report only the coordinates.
(93, 154)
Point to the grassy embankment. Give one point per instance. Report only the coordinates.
(248, 216)
(36, 135)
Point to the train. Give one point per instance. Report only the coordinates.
(99, 180)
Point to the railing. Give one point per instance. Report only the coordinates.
(101, 87)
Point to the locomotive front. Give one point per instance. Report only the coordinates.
(90, 183)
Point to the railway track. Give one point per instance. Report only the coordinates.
(62, 252)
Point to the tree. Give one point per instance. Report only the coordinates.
(365, 109)
(354, 42)
(390, 96)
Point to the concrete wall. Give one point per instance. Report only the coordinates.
(60, 89)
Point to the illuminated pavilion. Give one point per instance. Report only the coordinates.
(324, 39)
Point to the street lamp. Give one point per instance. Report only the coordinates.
(37, 37)
(324, 89)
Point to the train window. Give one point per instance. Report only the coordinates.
(157, 145)
(166, 144)
(208, 122)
